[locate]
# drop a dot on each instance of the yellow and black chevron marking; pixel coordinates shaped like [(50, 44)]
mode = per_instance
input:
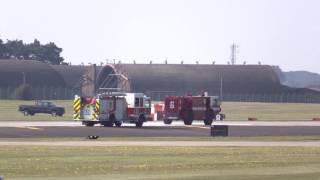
[(76, 108), (96, 110)]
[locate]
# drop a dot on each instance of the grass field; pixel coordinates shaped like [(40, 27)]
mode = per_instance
[(190, 163), (9, 111), (233, 110), (271, 111)]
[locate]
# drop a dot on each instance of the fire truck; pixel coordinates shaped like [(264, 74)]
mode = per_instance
[(114, 108), (189, 108)]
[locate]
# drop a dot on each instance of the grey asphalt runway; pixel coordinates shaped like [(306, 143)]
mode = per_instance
[(155, 129)]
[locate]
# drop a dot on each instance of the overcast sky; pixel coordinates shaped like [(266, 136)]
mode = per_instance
[(275, 32)]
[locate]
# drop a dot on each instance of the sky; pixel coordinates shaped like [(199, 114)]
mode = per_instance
[(285, 33)]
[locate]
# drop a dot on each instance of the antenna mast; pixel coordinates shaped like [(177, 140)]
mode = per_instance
[(234, 54)]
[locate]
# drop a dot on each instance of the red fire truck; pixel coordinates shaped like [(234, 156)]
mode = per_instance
[(189, 108), (113, 109)]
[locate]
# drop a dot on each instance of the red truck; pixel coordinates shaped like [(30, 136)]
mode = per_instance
[(189, 108), (113, 108)]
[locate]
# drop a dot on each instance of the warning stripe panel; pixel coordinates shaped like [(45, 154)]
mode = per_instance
[(76, 116), (76, 108), (76, 105)]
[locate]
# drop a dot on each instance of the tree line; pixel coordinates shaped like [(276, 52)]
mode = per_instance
[(17, 49)]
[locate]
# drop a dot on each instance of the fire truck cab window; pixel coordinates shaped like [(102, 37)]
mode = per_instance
[(136, 102)]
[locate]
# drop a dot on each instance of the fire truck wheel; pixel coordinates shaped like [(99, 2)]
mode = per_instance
[(139, 124), (188, 118), (167, 121), (208, 122), (108, 124), (89, 124), (118, 123), (141, 119), (208, 118)]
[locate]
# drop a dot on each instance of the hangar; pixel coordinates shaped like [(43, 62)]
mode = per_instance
[(156, 80)]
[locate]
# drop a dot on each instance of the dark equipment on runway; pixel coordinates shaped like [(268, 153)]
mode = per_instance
[(220, 130), (90, 137)]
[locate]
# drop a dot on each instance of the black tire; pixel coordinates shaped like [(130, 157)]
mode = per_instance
[(188, 118), (54, 114), (118, 123), (167, 121), (208, 122), (89, 124), (139, 124), (110, 122), (140, 121), (26, 113), (208, 118)]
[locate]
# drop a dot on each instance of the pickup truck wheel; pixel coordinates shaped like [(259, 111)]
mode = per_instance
[(26, 113), (54, 114)]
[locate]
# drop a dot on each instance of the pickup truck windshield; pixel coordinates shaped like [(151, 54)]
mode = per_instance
[(45, 104)]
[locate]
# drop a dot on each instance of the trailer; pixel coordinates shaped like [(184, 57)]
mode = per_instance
[(109, 109), (189, 108)]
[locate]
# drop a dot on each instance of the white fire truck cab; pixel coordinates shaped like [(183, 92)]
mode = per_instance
[(114, 108)]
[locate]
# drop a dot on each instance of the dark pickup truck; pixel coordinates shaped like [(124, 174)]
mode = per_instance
[(42, 107)]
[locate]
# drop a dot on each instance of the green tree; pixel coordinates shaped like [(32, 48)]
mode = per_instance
[(16, 49), (2, 50)]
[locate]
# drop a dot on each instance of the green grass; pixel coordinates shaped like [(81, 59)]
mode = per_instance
[(233, 111), (191, 163), (270, 111), (9, 111)]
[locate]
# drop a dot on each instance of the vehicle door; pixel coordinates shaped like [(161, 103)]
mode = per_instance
[(44, 108), (106, 107), (38, 107)]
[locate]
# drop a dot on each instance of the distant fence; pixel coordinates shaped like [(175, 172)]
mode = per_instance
[(54, 93), (49, 93), (278, 98)]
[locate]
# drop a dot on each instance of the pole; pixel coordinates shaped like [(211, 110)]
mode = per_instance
[(24, 78), (221, 87)]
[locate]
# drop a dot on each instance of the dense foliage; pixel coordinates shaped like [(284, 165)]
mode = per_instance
[(17, 49)]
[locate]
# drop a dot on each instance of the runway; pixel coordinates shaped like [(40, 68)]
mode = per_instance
[(43, 129)]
